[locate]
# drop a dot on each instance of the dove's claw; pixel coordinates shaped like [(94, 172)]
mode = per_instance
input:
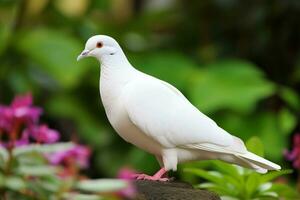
[(156, 177), (152, 178)]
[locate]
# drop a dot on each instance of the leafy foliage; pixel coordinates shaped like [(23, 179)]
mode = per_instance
[(33, 164), (232, 182), (30, 175), (53, 54), (220, 83)]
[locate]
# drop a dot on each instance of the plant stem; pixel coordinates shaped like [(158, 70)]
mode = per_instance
[(11, 145)]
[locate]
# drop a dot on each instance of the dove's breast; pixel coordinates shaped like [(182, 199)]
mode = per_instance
[(118, 118), (129, 132)]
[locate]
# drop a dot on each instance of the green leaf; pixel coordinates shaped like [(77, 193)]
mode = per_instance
[(53, 183), (206, 185), (212, 176), (228, 198), (233, 184), (37, 170), (102, 185), (225, 168), (15, 183), (270, 128), (76, 196), (55, 53), (285, 191), (221, 190), (31, 159), (3, 155), (269, 133), (290, 97), (264, 125), (230, 172), (172, 67), (232, 84), (45, 148), (264, 186), (269, 194), (273, 175), (252, 184), (287, 121), (255, 145)]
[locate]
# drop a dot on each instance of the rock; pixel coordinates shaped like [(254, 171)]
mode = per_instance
[(154, 190)]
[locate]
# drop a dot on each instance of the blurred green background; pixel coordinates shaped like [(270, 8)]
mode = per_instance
[(237, 61)]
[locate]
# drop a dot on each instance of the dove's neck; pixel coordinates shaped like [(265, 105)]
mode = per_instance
[(116, 72), (116, 68)]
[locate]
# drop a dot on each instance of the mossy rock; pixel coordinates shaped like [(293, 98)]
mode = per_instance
[(155, 190)]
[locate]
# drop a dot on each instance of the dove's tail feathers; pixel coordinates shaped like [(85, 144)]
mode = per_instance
[(239, 160), (245, 163), (243, 158), (258, 163)]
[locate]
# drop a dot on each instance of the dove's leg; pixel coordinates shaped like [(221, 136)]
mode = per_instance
[(170, 159), (158, 176), (159, 160)]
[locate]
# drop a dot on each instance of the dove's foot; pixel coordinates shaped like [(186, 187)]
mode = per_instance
[(151, 178), (158, 176)]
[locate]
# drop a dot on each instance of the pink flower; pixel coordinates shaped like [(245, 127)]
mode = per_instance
[(23, 109), (127, 174), (129, 192), (23, 140), (5, 118), (79, 154), (19, 112), (294, 155), (43, 134)]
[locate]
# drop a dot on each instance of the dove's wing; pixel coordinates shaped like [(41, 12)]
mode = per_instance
[(164, 114)]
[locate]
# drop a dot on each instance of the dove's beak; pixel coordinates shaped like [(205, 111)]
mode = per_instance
[(83, 54)]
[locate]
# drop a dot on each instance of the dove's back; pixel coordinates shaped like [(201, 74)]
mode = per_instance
[(164, 114)]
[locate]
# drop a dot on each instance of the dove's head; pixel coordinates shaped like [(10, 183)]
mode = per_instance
[(100, 47)]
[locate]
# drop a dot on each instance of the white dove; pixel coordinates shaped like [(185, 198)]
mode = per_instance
[(157, 117)]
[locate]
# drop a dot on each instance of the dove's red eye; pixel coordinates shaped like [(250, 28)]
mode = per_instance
[(99, 44)]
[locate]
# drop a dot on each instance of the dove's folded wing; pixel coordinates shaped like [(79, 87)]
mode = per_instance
[(164, 114)]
